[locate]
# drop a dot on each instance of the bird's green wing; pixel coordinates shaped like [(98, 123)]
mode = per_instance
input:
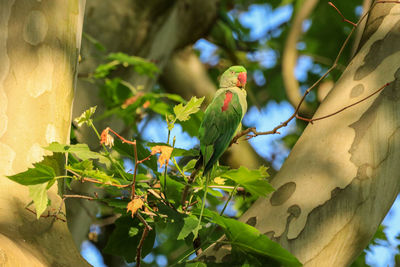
[(221, 120)]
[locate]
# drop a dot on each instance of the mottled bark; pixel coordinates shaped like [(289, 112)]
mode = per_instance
[(39, 47), (343, 174)]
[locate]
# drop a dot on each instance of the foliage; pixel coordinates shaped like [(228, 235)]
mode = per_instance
[(155, 197)]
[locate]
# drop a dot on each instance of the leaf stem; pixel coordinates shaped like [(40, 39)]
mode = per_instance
[(227, 202), (203, 205)]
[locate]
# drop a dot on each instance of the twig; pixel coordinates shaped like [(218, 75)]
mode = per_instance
[(228, 200), (92, 180), (78, 196), (340, 13), (134, 170), (146, 230), (48, 215), (342, 109), (133, 143)]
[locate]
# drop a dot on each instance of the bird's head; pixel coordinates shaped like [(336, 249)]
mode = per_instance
[(234, 76)]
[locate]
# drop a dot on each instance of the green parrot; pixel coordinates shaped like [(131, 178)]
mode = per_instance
[(220, 123), (222, 118)]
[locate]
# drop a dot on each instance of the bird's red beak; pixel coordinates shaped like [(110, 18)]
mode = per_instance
[(241, 82)]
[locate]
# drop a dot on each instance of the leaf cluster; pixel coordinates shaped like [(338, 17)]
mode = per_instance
[(154, 204)]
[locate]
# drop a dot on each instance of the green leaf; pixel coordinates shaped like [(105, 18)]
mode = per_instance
[(133, 231), (85, 117), (189, 226), (38, 175), (190, 165), (252, 180), (249, 239), (38, 193), (192, 125), (183, 112), (174, 188), (103, 70), (99, 175), (116, 203), (83, 165), (82, 151), (178, 152), (122, 244), (140, 65)]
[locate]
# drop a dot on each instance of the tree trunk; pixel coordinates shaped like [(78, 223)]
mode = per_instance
[(342, 176), (39, 47)]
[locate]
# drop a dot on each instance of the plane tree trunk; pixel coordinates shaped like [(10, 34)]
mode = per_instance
[(39, 48)]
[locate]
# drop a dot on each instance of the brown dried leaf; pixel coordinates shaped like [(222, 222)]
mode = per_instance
[(134, 205), (165, 153), (146, 104), (106, 138)]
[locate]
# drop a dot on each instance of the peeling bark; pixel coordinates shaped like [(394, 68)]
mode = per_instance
[(39, 47), (342, 176)]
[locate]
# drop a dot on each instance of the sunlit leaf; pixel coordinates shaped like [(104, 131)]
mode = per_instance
[(39, 174), (134, 205), (85, 117), (183, 112), (189, 226), (219, 180), (140, 65), (252, 180), (38, 193), (82, 151), (165, 154), (249, 239), (133, 231)]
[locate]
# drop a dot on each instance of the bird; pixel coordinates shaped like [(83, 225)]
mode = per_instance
[(222, 119), (223, 116)]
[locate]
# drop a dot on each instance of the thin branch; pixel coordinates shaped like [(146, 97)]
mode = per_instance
[(48, 215), (146, 230), (340, 13), (135, 170), (92, 180), (342, 109)]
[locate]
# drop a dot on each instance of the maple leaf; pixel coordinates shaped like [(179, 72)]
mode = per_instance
[(134, 205), (165, 153)]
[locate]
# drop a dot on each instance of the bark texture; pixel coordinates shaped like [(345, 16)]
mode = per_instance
[(343, 174), (39, 47)]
